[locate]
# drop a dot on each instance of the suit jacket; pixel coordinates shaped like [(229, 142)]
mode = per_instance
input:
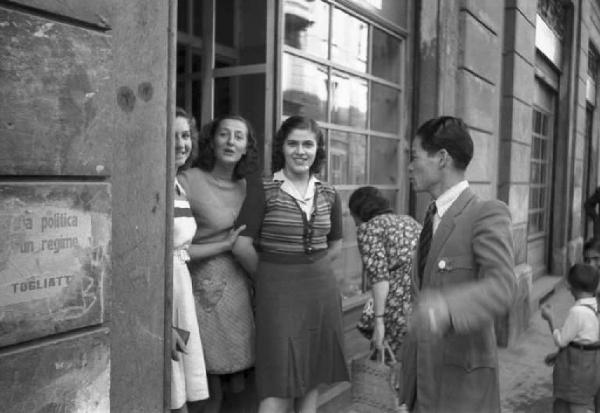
[(471, 263)]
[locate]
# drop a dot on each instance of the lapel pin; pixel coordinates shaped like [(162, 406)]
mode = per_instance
[(442, 265)]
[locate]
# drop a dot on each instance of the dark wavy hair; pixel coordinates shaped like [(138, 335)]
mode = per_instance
[(368, 202), (290, 124), (206, 158), (451, 134), (181, 113)]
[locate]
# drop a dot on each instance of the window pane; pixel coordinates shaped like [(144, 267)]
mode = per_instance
[(197, 18), (384, 108), (180, 94), (348, 100), (241, 95), (349, 41), (393, 10), (182, 15), (252, 45), (386, 56), (304, 88), (543, 149), (307, 26), (347, 158), (224, 24), (534, 178), (196, 62), (349, 272), (384, 161), (533, 198), (545, 125), (181, 54), (197, 98)]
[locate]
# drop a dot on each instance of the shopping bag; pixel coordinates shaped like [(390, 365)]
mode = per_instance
[(372, 390)]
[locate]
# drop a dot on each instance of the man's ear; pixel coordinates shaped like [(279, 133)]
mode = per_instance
[(445, 158)]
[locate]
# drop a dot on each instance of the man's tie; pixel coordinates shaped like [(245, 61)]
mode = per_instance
[(425, 239)]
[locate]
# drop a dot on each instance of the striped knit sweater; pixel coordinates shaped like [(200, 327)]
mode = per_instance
[(285, 228)]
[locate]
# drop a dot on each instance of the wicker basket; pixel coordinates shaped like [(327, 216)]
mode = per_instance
[(372, 391)]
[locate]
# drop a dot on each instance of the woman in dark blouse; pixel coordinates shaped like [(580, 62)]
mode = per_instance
[(387, 243), (297, 228)]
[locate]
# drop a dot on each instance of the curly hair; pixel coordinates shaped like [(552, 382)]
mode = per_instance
[(290, 124), (181, 113), (368, 202), (206, 158)]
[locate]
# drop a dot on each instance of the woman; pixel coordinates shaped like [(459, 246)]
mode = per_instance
[(299, 338), (220, 261), (386, 242), (188, 372)]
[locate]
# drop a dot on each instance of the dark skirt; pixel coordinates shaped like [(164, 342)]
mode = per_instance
[(299, 336)]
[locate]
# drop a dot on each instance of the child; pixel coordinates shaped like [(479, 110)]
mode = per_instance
[(576, 376)]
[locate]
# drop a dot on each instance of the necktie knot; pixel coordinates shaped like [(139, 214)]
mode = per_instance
[(432, 209)]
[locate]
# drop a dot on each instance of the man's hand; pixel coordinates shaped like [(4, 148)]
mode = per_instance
[(431, 317)]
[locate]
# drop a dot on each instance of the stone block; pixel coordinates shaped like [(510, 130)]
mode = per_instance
[(510, 326), (489, 12), (520, 117), (482, 167), (519, 35), (95, 13), (517, 78), (55, 81), (518, 202), (67, 375), (527, 8), (480, 49), (54, 257), (515, 157), (476, 105)]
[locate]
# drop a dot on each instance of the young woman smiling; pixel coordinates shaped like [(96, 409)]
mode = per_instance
[(298, 229)]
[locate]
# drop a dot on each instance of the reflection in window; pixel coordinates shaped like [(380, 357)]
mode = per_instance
[(384, 161), (386, 56), (307, 26), (385, 104), (347, 158), (349, 41), (304, 88), (348, 100)]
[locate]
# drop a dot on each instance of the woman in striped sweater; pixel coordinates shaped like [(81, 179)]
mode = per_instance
[(188, 372), (297, 226)]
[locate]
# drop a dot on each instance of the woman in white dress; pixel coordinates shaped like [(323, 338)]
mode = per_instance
[(188, 371)]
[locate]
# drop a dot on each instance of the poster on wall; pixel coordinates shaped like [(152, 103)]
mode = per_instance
[(54, 257)]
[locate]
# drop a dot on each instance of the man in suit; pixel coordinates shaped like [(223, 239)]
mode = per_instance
[(464, 278)]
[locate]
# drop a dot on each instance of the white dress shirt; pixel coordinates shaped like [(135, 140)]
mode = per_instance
[(445, 201), (305, 201), (581, 325)]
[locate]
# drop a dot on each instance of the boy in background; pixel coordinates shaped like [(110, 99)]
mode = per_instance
[(576, 376)]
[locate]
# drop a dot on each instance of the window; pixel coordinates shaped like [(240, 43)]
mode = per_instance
[(236, 79), (539, 188), (346, 72)]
